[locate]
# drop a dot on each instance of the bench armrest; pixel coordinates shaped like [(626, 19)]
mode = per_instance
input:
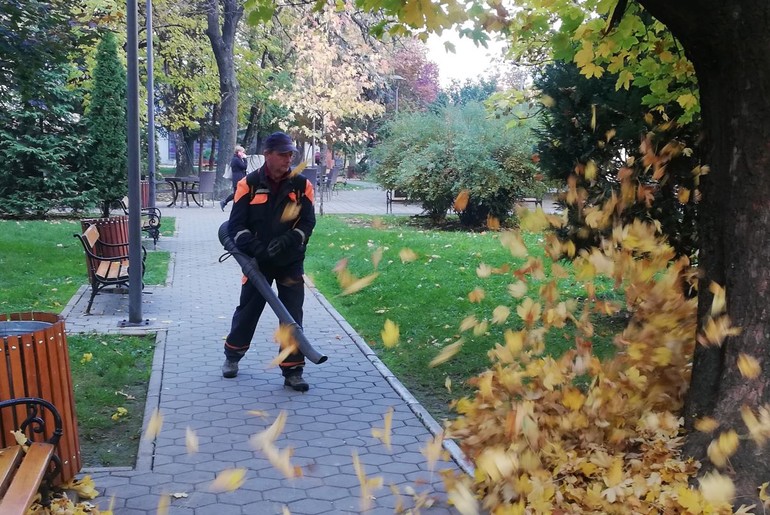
[(34, 421)]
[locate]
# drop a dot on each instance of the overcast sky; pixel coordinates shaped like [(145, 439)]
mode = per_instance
[(468, 61)]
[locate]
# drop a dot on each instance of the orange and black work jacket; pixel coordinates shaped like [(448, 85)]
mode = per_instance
[(256, 218)]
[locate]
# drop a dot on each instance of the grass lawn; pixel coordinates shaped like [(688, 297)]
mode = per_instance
[(428, 297), (43, 266)]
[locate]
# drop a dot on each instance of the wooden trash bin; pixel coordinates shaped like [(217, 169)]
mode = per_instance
[(35, 363)]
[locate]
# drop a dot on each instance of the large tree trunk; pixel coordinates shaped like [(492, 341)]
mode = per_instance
[(222, 44), (728, 42)]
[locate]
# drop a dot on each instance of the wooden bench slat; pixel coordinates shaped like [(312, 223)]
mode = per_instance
[(27, 480), (9, 461)]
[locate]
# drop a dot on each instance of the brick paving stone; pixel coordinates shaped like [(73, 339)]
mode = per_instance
[(348, 395)]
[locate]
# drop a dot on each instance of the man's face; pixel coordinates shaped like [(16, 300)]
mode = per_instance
[(278, 163)]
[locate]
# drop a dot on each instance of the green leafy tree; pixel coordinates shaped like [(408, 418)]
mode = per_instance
[(590, 123), (433, 157), (40, 138), (107, 126)]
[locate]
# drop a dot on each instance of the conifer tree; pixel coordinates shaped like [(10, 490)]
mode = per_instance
[(107, 126)]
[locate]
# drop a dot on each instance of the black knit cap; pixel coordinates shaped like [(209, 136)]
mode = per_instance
[(279, 142)]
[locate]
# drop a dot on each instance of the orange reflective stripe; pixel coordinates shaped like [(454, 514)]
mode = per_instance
[(259, 198), (292, 363), (292, 196), (310, 192), (245, 347), (240, 190)]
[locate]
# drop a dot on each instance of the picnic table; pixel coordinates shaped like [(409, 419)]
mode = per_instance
[(186, 186)]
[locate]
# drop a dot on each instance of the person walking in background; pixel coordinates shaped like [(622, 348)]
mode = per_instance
[(238, 168), (272, 219)]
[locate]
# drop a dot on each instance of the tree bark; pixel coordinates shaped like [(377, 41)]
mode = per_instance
[(728, 43), (222, 44)]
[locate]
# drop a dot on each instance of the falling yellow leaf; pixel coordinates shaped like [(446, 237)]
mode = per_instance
[(533, 221), (257, 413), (513, 241), (493, 223), (360, 284), (269, 435), (529, 311), (298, 169), (377, 257), (721, 448), (228, 480), (749, 366), (763, 496), (461, 201), (573, 398), (461, 496), (448, 384), (717, 488), (468, 322), (446, 353), (718, 304), (500, 314), (593, 117), (590, 171), (477, 295), (84, 487), (517, 290), (483, 271), (163, 504), (759, 431), (407, 255), (154, 426), (191, 441), (706, 424), (716, 330), (434, 450), (390, 334), (281, 460), (547, 101), (367, 484), (290, 212), (385, 433)]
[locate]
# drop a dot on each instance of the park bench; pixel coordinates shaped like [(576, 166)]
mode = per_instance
[(533, 200), (394, 196), (150, 217), (31, 467), (107, 262)]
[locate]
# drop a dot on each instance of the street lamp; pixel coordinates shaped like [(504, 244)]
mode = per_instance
[(396, 79)]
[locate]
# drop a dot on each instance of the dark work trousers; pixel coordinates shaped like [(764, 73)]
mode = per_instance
[(291, 291)]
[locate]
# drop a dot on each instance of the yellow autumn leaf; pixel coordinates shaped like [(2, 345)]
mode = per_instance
[(367, 484), (513, 241), (716, 330), (518, 289), (683, 195), (721, 448), (446, 353), (717, 488), (154, 426), (687, 100), (269, 435), (533, 221), (290, 212), (749, 366), (191, 441), (433, 450), (360, 284), (385, 433), (529, 311), (448, 384), (500, 314), (706, 424), (84, 487), (390, 334), (493, 223), (468, 322), (590, 171), (689, 499), (573, 398), (593, 119), (228, 480), (163, 504), (763, 496), (718, 303), (477, 295), (257, 413), (547, 101), (407, 255), (377, 257), (461, 201), (759, 431), (281, 461), (483, 271), (87, 357), (298, 169), (462, 498)]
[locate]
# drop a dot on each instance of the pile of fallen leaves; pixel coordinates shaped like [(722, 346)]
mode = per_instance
[(61, 504), (573, 434)]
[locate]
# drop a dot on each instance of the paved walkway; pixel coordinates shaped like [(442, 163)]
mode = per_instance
[(349, 394)]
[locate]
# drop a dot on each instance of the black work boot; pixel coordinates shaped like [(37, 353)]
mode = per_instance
[(230, 369), (296, 382)]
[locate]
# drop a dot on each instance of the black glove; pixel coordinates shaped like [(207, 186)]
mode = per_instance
[(258, 250), (283, 242)]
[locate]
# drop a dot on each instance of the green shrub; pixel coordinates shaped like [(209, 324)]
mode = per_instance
[(432, 157)]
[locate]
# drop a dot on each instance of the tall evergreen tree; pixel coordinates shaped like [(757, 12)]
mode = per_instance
[(107, 126)]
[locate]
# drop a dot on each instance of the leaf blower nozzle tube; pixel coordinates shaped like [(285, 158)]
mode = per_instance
[(251, 271)]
